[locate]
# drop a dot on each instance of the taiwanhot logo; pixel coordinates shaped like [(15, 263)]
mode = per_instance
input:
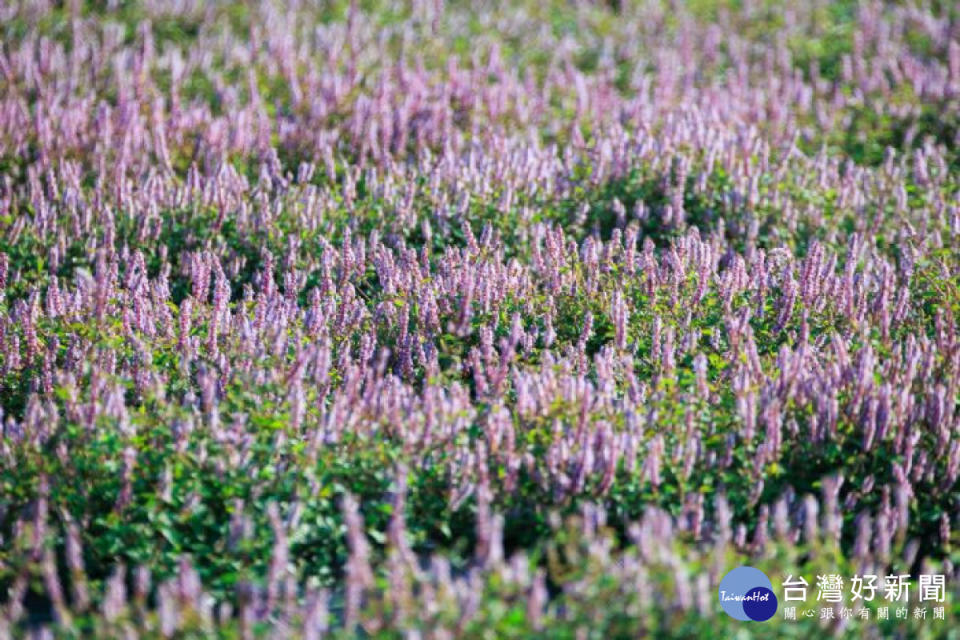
[(747, 594)]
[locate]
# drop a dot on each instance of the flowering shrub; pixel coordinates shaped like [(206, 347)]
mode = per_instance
[(399, 319)]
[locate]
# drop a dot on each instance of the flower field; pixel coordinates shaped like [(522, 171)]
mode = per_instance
[(425, 319)]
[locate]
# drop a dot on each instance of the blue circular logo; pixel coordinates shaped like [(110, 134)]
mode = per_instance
[(747, 594)]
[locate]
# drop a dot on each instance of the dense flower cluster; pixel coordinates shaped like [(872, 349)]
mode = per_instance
[(440, 320)]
